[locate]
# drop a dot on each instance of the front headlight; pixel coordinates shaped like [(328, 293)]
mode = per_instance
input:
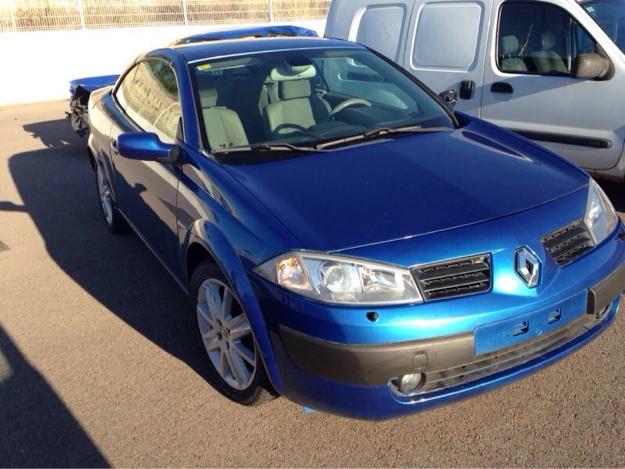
[(338, 279), (600, 218)]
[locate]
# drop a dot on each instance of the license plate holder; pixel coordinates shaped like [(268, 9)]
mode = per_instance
[(523, 328)]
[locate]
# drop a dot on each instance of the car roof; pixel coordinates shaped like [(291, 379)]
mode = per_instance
[(224, 48)]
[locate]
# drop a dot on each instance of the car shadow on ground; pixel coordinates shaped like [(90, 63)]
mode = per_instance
[(53, 134), (58, 190), (36, 428)]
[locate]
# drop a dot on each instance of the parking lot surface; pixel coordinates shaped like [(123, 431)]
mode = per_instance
[(99, 364)]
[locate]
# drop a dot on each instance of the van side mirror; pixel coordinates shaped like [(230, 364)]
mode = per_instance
[(145, 146), (450, 98), (590, 66)]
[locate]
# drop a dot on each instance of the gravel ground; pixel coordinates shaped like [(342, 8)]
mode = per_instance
[(98, 365)]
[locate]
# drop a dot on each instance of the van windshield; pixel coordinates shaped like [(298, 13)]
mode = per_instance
[(307, 97), (610, 15)]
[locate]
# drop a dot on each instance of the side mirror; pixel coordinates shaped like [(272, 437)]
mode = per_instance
[(450, 98), (145, 146), (590, 66)]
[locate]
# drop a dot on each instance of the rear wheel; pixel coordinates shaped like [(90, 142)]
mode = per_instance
[(113, 219), (235, 367)]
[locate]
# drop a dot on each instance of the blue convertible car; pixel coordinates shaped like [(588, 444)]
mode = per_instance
[(346, 240)]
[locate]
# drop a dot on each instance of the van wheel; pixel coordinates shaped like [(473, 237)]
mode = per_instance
[(113, 219), (235, 367)]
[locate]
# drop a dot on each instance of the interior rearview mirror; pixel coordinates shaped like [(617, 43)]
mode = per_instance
[(145, 146), (590, 66)]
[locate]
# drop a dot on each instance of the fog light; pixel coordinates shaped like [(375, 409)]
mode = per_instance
[(410, 382)]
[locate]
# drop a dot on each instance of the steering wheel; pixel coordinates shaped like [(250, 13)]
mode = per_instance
[(297, 128), (348, 103)]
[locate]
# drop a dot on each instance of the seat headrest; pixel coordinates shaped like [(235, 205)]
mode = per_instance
[(293, 72), (548, 40), (208, 97), (509, 44), (295, 89)]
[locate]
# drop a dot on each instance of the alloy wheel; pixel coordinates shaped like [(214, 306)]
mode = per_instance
[(104, 191), (226, 334)]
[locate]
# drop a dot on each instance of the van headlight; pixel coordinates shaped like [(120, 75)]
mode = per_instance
[(601, 218), (338, 279)]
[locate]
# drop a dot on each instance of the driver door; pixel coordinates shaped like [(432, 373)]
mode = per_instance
[(146, 191)]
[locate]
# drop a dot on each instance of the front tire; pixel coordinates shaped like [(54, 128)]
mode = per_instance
[(113, 219), (234, 365)]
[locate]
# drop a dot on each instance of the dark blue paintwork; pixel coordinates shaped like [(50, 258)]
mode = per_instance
[(406, 201), (90, 84), (144, 146)]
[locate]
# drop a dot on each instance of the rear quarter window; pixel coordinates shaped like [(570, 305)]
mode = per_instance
[(447, 35), (380, 28)]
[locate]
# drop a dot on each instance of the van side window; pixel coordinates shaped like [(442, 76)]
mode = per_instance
[(149, 96), (380, 28), (447, 35), (540, 39)]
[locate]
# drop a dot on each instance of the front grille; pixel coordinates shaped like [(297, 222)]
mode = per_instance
[(457, 277), (501, 360), (568, 243)]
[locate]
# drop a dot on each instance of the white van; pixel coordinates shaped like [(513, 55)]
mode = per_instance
[(550, 70)]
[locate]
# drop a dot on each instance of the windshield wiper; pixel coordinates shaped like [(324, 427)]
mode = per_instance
[(267, 147), (380, 132)]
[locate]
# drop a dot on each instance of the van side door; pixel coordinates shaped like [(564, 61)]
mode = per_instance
[(446, 47), (529, 88)]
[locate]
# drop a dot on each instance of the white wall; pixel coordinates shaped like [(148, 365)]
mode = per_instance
[(37, 66)]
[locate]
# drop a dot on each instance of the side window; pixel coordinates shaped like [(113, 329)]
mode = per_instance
[(447, 35), (125, 89), (380, 27), (540, 39), (149, 95)]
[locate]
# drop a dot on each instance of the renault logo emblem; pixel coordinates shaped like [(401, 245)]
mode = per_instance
[(527, 266)]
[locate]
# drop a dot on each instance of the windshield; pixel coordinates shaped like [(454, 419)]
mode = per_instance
[(610, 15), (306, 97)]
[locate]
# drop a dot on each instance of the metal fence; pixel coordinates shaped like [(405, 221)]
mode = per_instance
[(47, 15)]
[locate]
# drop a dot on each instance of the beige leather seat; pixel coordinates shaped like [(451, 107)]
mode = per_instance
[(223, 125), (224, 128), (297, 106)]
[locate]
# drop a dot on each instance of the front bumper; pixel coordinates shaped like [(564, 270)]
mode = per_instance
[(449, 361), (452, 360), (460, 355)]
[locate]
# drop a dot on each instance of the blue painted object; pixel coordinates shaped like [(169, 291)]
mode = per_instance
[(90, 84), (418, 228), (143, 146)]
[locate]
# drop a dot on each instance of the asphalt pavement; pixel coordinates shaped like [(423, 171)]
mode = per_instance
[(99, 366)]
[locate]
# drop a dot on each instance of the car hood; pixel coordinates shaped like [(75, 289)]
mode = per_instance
[(407, 186)]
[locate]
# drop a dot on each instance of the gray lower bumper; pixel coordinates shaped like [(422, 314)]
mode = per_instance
[(447, 360)]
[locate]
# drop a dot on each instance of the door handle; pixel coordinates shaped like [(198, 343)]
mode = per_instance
[(467, 87), (501, 87)]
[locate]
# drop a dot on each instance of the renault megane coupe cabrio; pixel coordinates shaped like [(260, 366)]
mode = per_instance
[(345, 238)]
